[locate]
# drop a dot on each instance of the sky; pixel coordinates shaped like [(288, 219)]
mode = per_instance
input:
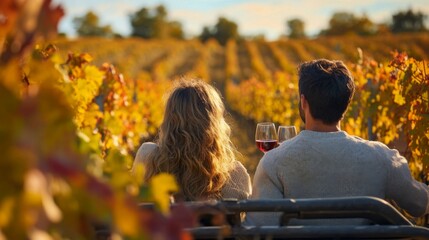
[(254, 17)]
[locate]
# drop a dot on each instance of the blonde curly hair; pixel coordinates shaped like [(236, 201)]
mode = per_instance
[(194, 141)]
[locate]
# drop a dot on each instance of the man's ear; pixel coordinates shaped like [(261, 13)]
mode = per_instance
[(303, 101)]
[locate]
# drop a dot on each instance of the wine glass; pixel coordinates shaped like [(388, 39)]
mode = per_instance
[(286, 132), (266, 136)]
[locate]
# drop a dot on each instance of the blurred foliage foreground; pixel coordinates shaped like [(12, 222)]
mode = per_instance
[(67, 132)]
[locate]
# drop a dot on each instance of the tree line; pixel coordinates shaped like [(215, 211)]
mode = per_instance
[(154, 23)]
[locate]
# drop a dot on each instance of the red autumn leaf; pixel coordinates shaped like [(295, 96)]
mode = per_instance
[(77, 176), (49, 18), (9, 10)]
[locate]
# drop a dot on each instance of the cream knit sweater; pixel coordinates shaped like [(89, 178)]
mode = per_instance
[(335, 164), (237, 187)]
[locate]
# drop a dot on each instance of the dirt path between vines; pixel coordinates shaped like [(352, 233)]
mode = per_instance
[(244, 64), (191, 56), (268, 58), (242, 133)]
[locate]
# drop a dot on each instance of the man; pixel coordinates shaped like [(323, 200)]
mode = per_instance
[(323, 161)]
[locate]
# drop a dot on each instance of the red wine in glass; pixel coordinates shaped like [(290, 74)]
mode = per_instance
[(266, 136), (266, 145)]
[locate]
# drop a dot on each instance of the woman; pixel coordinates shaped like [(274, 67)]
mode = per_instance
[(195, 147)]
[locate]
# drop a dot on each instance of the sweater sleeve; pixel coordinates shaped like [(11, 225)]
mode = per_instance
[(239, 185), (265, 186), (409, 194), (141, 155)]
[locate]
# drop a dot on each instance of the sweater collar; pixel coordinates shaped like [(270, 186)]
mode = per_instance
[(314, 134)]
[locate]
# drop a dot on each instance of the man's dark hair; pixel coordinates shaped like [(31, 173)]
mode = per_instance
[(328, 88)]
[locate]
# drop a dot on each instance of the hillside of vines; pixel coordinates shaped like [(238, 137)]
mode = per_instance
[(258, 80), (75, 111)]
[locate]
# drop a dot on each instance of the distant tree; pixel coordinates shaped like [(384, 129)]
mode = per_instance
[(222, 31), (383, 29), (257, 37), (176, 30), (117, 36), (160, 23), (364, 26), (89, 25), (62, 35), (225, 30), (408, 21), (296, 28), (141, 23), (206, 34), (154, 24), (342, 23)]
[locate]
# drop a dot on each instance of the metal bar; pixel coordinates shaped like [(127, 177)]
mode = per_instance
[(311, 232), (375, 209)]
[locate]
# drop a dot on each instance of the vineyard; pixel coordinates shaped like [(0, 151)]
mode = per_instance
[(94, 101), (75, 112), (259, 83)]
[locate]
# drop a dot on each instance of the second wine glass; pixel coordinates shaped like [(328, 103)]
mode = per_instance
[(266, 136), (286, 132)]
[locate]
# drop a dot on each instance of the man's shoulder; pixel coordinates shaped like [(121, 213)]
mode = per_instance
[(378, 148), (371, 143), (270, 159)]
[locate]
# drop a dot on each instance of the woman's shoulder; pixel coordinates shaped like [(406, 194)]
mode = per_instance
[(148, 146), (239, 185), (237, 166), (144, 150)]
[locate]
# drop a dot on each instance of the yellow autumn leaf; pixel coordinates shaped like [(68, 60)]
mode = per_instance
[(138, 173), (57, 59), (53, 212), (126, 217), (161, 187), (38, 234), (413, 125), (6, 211), (417, 152), (399, 99), (83, 136), (76, 72), (86, 57), (93, 76), (37, 189)]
